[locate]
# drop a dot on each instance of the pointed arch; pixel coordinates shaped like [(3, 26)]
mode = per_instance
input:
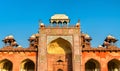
[(27, 65), (6, 65), (54, 22), (60, 53), (92, 65), (67, 38), (65, 22), (113, 65), (59, 22), (59, 46)]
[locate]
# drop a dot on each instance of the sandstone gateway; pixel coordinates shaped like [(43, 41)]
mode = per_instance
[(60, 47)]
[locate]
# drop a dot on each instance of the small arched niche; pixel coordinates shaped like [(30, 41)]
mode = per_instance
[(6, 65), (27, 65), (92, 65), (114, 65)]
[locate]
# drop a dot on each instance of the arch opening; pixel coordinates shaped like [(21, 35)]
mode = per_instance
[(54, 23), (59, 70), (27, 65), (92, 65), (59, 46), (60, 54), (114, 65), (60, 23), (65, 23), (6, 65)]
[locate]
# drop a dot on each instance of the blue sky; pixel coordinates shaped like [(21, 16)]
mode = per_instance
[(99, 18)]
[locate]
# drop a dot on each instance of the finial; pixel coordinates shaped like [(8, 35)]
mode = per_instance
[(78, 20), (41, 24), (78, 23)]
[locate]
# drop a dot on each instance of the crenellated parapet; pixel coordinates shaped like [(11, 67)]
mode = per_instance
[(102, 49), (18, 49)]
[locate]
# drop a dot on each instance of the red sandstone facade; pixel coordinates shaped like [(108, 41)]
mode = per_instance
[(60, 47)]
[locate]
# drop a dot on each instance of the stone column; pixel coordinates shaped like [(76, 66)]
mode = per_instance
[(76, 53), (42, 53)]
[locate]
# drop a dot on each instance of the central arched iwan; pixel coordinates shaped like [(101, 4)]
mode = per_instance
[(59, 53)]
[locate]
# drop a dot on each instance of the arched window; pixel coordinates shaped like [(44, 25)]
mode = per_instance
[(64, 23), (54, 23), (27, 65), (92, 65), (60, 24), (6, 65), (114, 65)]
